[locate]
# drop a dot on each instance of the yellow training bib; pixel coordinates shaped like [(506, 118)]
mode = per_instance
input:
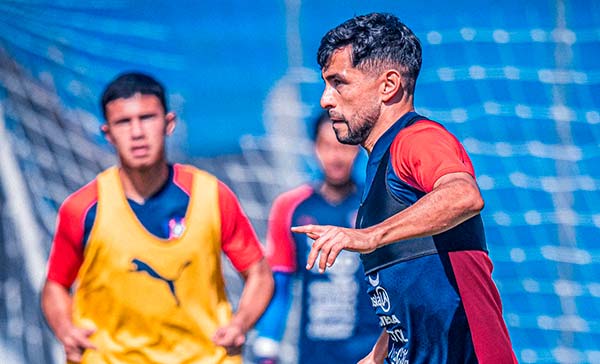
[(153, 300)]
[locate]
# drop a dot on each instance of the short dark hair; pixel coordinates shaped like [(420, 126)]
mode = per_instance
[(321, 119), (130, 83), (378, 40)]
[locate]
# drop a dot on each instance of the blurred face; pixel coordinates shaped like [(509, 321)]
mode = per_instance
[(351, 97), (336, 159), (137, 127)]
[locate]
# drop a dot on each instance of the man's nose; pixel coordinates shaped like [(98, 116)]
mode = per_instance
[(137, 128), (327, 101)]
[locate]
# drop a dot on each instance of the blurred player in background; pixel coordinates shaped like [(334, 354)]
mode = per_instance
[(418, 228), (140, 246), (337, 324)]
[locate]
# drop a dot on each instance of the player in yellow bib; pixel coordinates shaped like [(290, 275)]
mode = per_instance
[(134, 274)]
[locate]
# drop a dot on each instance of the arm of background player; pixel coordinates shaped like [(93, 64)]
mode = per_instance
[(257, 292), (56, 305), (66, 257), (272, 324), (242, 247), (281, 252)]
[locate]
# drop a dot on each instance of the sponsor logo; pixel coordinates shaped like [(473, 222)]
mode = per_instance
[(140, 266), (381, 299), (398, 355), (374, 279), (331, 309), (397, 335), (388, 320)]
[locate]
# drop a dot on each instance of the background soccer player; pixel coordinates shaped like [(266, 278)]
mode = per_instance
[(337, 324), (142, 242)]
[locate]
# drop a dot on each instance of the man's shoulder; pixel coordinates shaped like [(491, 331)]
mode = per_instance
[(80, 201), (423, 124), (422, 129), (184, 174), (289, 200), (296, 194), (190, 170)]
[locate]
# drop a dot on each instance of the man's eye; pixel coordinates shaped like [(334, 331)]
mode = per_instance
[(147, 117), (337, 83)]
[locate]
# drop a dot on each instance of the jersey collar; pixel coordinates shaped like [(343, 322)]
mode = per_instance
[(381, 146)]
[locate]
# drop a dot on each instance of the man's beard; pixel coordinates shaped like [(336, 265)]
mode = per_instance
[(359, 134)]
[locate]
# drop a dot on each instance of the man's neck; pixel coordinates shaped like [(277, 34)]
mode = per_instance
[(336, 193), (388, 117), (139, 185)]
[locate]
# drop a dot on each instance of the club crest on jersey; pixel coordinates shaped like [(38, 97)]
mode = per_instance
[(176, 227), (306, 220)]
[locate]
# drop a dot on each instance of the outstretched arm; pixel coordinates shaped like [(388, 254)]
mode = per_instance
[(57, 308), (454, 199), (257, 292)]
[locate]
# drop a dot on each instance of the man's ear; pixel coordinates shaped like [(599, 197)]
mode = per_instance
[(171, 121), (391, 85), (105, 131)]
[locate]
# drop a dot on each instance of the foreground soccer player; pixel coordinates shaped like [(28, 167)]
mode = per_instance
[(418, 228), (142, 242)]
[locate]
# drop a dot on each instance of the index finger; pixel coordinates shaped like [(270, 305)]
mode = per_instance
[(308, 229), (312, 231)]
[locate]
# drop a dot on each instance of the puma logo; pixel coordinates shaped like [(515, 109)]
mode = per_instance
[(140, 266)]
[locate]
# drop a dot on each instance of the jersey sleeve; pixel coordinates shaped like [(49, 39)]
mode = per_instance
[(281, 248), (426, 151), (239, 240), (66, 254)]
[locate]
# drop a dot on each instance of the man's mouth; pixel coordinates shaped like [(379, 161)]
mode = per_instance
[(336, 118), (139, 151)]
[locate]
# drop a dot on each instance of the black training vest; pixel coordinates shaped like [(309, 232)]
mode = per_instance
[(380, 204)]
